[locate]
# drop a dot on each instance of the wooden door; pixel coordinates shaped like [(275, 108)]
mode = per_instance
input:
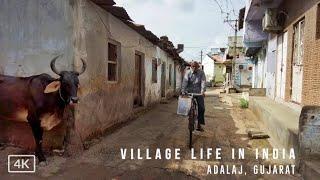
[(297, 65), (163, 80), (284, 65), (137, 81)]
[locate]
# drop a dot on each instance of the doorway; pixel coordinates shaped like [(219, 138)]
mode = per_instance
[(138, 81), (282, 47), (297, 64), (175, 77), (163, 80)]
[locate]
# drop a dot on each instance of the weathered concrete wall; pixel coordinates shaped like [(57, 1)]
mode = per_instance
[(309, 132), (219, 73), (259, 73), (170, 90), (271, 66), (243, 77), (281, 122), (32, 33), (257, 92), (260, 70), (309, 138), (179, 71), (104, 104), (208, 68)]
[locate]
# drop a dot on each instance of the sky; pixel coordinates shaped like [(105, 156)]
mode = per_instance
[(198, 24)]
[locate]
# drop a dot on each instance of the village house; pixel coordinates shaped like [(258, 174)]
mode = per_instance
[(284, 52), (282, 39), (128, 67), (218, 68), (215, 67), (243, 67)]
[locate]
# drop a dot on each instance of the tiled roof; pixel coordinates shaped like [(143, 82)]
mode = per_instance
[(122, 14)]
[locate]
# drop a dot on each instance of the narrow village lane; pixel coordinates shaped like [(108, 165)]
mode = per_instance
[(162, 128)]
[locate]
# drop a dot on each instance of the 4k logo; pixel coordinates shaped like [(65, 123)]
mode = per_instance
[(21, 163)]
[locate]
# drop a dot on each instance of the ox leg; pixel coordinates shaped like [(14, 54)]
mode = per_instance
[(37, 134)]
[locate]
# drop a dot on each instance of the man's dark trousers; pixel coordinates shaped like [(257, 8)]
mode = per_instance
[(201, 109)]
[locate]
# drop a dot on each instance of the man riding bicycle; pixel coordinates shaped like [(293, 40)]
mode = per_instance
[(195, 82)]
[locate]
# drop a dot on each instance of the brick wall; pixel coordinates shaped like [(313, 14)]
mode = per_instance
[(297, 10), (311, 83)]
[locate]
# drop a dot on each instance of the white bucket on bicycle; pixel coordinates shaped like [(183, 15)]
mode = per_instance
[(184, 105)]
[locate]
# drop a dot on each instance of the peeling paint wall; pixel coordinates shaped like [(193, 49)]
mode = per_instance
[(259, 70), (243, 77), (32, 33), (179, 71), (104, 104), (309, 132), (219, 73), (271, 66), (208, 68)]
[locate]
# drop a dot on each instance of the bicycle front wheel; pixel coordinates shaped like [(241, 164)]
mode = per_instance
[(192, 116), (190, 139)]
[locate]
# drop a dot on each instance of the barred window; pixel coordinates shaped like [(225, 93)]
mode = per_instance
[(112, 72)]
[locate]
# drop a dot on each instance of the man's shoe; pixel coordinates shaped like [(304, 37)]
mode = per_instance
[(200, 129)]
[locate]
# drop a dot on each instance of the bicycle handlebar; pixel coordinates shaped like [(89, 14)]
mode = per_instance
[(194, 94)]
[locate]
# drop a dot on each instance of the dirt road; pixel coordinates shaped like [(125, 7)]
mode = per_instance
[(226, 128)]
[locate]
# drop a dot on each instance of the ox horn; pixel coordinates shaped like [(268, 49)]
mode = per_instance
[(84, 66), (53, 66)]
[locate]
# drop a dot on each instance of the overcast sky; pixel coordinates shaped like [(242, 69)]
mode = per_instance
[(198, 24)]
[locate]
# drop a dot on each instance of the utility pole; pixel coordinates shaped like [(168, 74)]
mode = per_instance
[(234, 52), (233, 74), (201, 56), (235, 27)]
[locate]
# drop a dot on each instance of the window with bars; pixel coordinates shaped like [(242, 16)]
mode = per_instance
[(112, 62), (154, 70)]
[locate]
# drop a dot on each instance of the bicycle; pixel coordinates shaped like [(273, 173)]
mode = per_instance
[(193, 115)]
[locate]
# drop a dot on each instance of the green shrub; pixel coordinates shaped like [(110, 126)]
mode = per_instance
[(244, 103)]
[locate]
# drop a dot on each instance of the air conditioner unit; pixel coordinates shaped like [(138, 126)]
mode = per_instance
[(272, 22)]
